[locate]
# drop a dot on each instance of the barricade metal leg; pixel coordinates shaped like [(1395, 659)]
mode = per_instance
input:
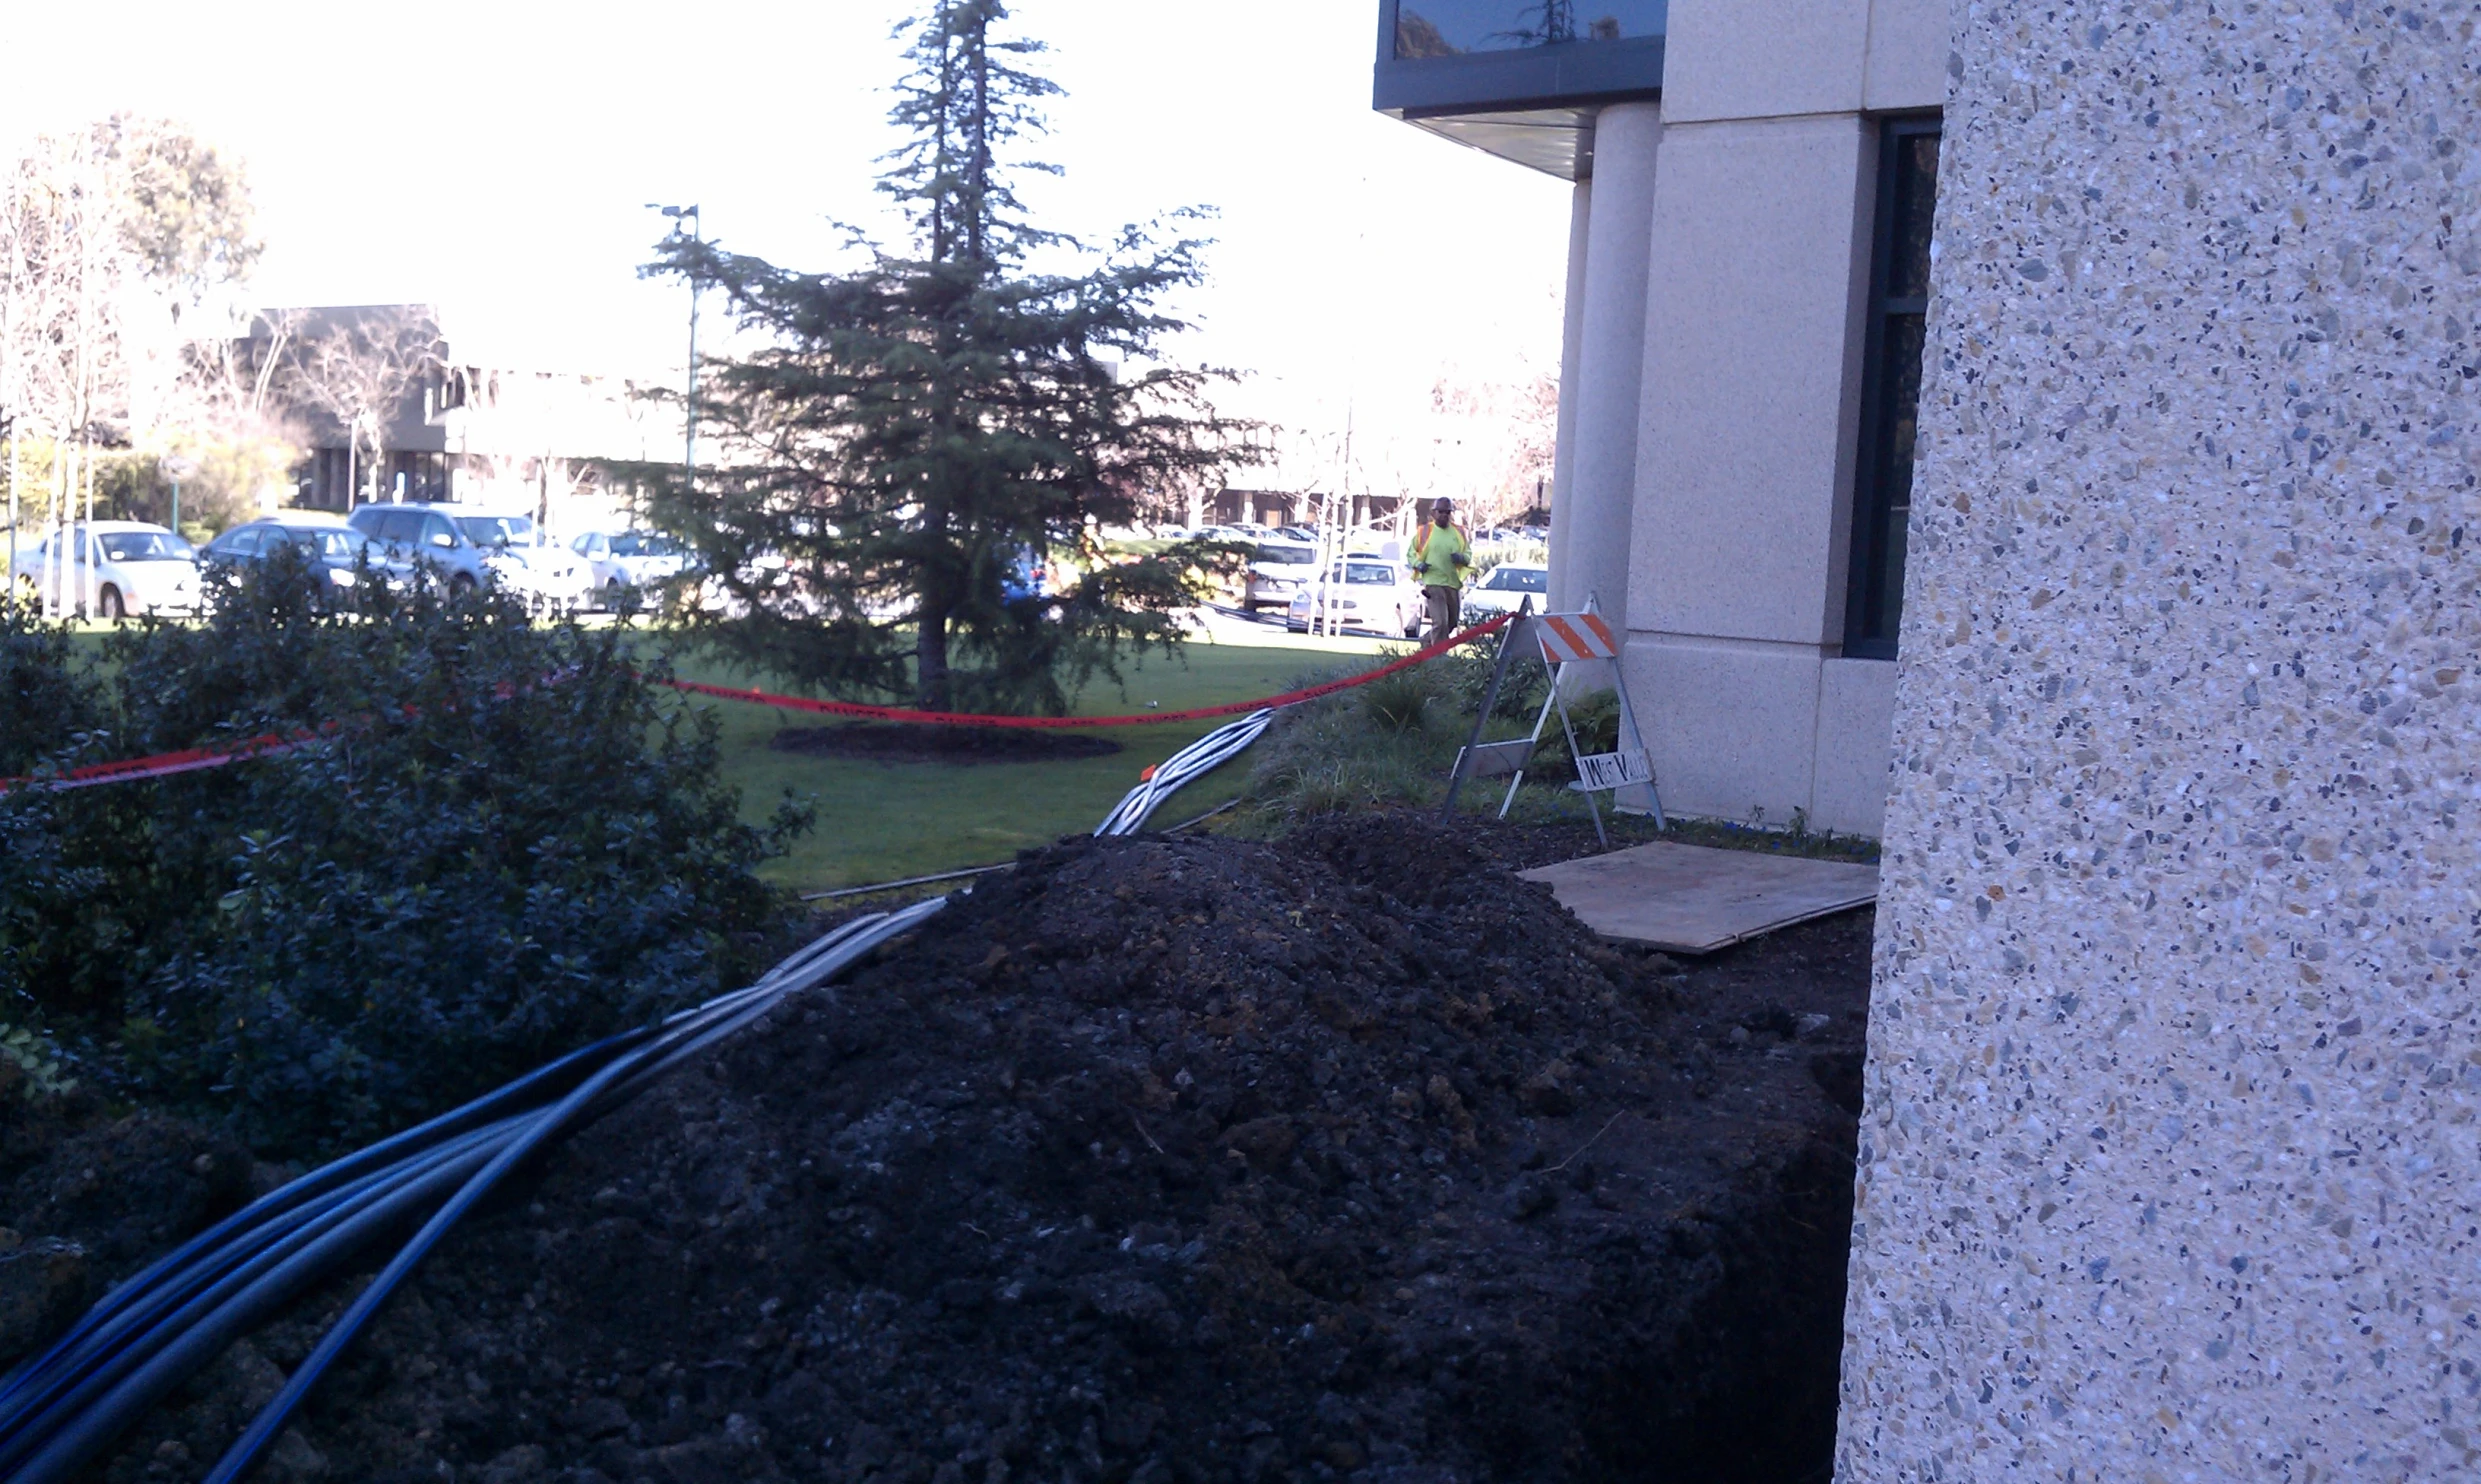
[(1628, 719), (1576, 752), (1541, 719), (1490, 700)]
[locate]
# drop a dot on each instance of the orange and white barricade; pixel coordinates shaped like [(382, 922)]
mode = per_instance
[(1565, 639)]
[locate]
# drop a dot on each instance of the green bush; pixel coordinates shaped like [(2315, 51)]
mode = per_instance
[(1366, 748), (503, 844), (1465, 679), (1596, 717), (1400, 702)]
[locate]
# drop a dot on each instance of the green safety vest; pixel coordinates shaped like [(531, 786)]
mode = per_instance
[(1434, 556)]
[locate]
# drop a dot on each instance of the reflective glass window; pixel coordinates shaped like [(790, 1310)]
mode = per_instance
[(497, 530), (1891, 389), (1453, 28), (145, 546)]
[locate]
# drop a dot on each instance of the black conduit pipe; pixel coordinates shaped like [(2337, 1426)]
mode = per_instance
[(61, 1409)]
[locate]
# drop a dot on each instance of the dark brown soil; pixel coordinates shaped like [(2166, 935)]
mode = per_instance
[(899, 742), (1349, 1157), (86, 1198)]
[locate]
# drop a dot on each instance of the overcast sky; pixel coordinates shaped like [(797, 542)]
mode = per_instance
[(494, 158)]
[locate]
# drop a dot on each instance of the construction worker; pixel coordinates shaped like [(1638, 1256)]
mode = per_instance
[(1439, 556)]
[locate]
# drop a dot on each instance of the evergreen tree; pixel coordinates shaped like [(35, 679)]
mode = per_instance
[(913, 434)]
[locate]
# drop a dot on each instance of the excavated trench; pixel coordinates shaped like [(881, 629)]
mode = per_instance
[(1348, 1157)]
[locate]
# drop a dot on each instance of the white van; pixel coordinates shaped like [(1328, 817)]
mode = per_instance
[(1278, 570)]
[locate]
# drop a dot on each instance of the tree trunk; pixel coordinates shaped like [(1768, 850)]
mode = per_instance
[(930, 660)]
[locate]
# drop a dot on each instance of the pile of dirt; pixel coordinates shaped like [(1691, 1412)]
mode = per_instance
[(1346, 1158), (903, 742), (87, 1198)]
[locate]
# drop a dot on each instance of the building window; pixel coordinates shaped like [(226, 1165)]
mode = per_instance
[(1899, 301), (1454, 28)]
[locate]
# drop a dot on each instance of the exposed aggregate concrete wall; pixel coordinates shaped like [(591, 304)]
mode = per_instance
[(2169, 1166)]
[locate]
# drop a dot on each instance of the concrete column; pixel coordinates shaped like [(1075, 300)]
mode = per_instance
[(1610, 361), (1571, 346), (2168, 1162)]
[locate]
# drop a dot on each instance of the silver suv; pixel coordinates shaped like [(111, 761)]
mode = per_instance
[(472, 549), (426, 533)]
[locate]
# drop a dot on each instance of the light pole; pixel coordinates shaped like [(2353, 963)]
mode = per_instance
[(178, 467), (685, 220)]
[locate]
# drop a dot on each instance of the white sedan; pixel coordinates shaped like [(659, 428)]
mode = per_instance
[(627, 559), (521, 559), (1508, 584), (1361, 593), (137, 568)]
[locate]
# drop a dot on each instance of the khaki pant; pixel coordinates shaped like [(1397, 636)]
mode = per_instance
[(1446, 604)]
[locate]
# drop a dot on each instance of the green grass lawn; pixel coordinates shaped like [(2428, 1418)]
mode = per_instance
[(881, 821)]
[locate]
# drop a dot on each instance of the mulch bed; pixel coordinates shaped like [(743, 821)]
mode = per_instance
[(1346, 1157), (897, 742)]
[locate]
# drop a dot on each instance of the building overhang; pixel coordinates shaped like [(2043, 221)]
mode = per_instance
[(1512, 93)]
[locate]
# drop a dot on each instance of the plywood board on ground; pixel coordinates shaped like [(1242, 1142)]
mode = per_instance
[(1689, 899)]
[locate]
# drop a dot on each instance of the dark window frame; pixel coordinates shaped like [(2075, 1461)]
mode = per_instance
[(1872, 615)]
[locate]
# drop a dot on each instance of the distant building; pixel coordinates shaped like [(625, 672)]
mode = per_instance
[(380, 348), (522, 441), (1749, 240), (1266, 507), (544, 442)]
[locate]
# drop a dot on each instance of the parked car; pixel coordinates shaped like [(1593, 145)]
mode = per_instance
[(622, 560), (137, 568), (1362, 593), (1028, 576), (331, 548), (1277, 571), (471, 549), (1508, 584), (1297, 533)]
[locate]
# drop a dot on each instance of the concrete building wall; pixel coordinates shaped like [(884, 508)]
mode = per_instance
[(2171, 1154), (1762, 231), (1571, 354), (1746, 59), (1909, 56), (1750, 383), (1601, 484)]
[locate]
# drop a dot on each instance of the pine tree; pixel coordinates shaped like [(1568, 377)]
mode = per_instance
[(912, 434)]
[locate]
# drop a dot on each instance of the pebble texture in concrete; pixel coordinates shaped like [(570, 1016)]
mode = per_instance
[(2168, 1163)]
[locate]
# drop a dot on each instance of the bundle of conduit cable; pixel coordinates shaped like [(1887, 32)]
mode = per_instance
[(1186, 766), (61, 1409), (153, 1332)]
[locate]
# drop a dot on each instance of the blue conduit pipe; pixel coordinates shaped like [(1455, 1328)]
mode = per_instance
[(64, 1407)]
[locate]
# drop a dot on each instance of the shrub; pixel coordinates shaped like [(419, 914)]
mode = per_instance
[(1400, 702), (1465, 679), (1361, 749), (505, 844), (44, 701), (1596, 717)]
